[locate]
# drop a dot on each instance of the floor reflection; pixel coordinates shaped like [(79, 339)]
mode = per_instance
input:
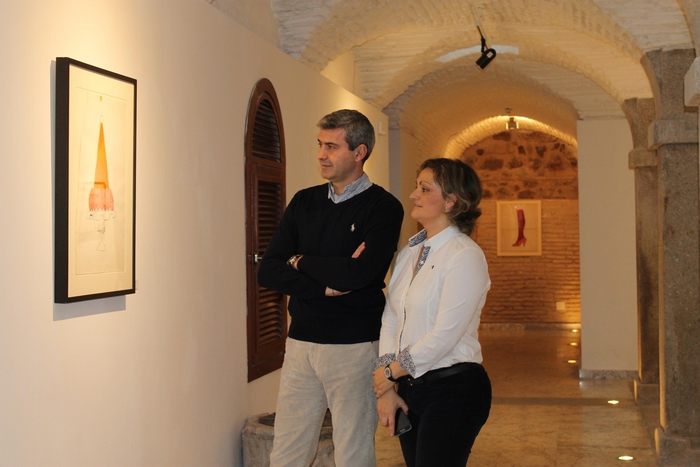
[(542, 414)]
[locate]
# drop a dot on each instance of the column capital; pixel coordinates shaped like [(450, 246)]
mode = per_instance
[(642, 158), (692, 84), (640, 113), (666, 70), (674, 131)]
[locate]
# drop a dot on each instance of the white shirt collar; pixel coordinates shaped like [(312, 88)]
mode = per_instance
[(436, 241)]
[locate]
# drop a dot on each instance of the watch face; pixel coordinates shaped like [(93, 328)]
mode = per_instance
[(387, 372)]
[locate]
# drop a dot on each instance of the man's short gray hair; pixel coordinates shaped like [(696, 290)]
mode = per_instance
[(358, 129)]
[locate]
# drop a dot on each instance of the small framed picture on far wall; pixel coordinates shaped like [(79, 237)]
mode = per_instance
[(519, 228)]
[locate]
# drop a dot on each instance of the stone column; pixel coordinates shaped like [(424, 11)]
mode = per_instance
[(640, 114), (674, 135)]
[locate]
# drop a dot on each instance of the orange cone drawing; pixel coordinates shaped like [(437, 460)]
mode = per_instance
[(101, 198)]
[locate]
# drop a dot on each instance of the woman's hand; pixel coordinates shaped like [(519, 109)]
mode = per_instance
[(381, 383), (387, 405)]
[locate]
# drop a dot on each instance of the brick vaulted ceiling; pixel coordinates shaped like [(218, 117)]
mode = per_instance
[(558, 60)]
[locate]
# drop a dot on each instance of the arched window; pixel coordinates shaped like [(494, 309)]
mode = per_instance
[(265, 202)]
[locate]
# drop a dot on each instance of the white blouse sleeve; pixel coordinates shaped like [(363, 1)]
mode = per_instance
[(390, 317)]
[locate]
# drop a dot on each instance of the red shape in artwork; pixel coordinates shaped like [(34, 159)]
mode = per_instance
[(521, 228)]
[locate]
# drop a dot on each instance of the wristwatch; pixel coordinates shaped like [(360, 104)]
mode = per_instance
[(293, 260), (387, 373)]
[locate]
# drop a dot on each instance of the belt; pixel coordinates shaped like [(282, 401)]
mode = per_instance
[(435, 375)]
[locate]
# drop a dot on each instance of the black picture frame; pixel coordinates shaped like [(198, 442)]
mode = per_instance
[(95, 183)]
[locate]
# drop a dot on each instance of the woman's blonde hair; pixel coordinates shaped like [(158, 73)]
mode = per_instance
[(458, 179)]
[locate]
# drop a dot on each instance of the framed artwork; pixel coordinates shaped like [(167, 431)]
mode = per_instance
[(519, 228), (95, 198)]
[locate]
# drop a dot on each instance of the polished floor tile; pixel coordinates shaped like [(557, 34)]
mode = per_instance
[(542, 414)]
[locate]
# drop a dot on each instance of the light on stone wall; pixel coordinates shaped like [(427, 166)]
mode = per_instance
[(511, 124)]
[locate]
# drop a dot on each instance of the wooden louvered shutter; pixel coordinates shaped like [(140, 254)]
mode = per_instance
[(265, 202)]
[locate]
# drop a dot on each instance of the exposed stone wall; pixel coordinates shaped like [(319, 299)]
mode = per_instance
[(525, 165), (531, 165)]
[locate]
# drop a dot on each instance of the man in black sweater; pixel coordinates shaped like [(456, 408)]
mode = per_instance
[(330, 254)]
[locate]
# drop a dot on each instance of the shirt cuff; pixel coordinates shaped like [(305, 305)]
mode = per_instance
[(406, 362), (384, 360)]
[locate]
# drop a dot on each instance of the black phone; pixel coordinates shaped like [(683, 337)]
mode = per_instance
[(401, 424)]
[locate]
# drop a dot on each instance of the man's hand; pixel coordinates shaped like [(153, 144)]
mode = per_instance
[(359, 251), (335, 293)]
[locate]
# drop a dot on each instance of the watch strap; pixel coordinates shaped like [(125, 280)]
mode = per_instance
[(389, 375)]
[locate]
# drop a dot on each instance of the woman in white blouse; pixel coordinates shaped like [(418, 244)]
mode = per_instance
[(430, 356)]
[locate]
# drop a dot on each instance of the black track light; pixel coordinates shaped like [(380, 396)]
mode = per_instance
[(487, 54)]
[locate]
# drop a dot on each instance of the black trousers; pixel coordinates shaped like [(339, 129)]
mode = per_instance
[(446, 415)]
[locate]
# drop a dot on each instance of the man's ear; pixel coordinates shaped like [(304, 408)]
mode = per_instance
[(360, 152)]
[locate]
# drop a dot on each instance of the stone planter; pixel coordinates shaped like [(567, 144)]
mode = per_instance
[(258, 434)]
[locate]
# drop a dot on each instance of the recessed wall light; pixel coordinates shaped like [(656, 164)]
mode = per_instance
[(613, 402), (571, 361), (573, 343), (511, 124), (574, 330), (626, 458)]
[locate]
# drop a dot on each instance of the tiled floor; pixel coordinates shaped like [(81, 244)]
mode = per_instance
[(542, 414)]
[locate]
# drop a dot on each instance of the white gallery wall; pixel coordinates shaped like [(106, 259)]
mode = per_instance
[(158, 377), (405, 161), (608, 250)]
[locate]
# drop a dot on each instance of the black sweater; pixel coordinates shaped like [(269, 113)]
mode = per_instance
[(327, 234)]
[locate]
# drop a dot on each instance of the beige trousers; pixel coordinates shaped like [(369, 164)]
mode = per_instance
[(316, 376)]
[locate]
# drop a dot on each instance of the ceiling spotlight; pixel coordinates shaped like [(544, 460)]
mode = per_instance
[(487, 54)]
